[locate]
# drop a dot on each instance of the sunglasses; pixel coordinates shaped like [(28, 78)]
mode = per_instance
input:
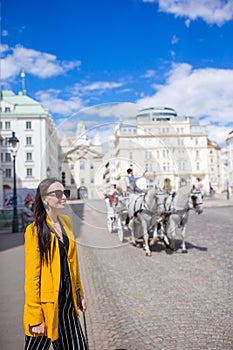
[(59, 193)]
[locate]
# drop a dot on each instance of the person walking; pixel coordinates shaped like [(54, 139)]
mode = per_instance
[(51, 313), (27, 213), (131, 182)]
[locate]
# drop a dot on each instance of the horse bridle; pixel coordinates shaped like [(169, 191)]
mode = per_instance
[(194, 196)]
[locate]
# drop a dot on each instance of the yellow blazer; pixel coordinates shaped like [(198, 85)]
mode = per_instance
[(42, 281)]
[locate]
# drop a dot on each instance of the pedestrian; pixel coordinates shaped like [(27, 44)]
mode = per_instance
[(51, 313), (27, 213), (131, 182)]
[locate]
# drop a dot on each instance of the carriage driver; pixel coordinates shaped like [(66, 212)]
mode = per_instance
[(131, 182)]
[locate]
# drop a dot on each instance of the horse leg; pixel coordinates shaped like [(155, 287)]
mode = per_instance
[(183, 245), (131, 227), (155, 236), (145, 237), (171, 232)]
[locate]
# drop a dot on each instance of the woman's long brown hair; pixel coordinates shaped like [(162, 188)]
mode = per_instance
[(39, 214)]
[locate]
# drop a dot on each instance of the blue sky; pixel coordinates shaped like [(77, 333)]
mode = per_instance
[(78, 54)]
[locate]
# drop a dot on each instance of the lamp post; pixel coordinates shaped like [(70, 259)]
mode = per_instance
[(14, 142), (48, 171)]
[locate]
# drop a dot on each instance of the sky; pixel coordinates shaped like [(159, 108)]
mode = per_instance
[(79, 54)]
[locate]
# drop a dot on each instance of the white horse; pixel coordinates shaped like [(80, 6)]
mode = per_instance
[(143, 211), (177, 209)]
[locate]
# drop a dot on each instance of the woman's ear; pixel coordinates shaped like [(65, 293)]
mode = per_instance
[(45, 205)]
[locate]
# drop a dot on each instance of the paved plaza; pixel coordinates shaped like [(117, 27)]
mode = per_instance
[(167, 301)]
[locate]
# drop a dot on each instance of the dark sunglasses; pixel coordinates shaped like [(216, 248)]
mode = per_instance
[(59, 193)]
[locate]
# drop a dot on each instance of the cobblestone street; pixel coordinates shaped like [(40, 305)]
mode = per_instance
[(167, 301)]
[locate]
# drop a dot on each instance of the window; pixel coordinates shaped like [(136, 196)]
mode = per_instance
[(82, 181), (29, 171), (6, 142), (7, 157), (197, 166), (7, 125), (91, 166), (7, 109), (28, 156), (28, 140), (0, 125), (82, 165), (197, 154), (72, 182), (92, 180), (8, 173), (28, 125), (131, 155), (196, 141)]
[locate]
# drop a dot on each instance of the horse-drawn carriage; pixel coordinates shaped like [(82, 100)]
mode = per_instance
[(155, 211), (116, 214)]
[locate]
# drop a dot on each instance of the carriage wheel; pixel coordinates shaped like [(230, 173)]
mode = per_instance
[(110, 224), (120, 230)]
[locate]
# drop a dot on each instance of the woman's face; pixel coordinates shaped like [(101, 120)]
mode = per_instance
[(55, 198)]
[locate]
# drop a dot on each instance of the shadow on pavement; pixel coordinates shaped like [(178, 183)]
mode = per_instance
[(11, 240)]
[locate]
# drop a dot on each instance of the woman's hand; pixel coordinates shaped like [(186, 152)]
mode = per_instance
[(39, 329), (84, 304)]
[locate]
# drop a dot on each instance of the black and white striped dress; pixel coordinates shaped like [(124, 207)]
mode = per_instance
[(71, 336)]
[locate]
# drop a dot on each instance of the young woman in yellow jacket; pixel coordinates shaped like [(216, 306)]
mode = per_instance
[(51, 313)]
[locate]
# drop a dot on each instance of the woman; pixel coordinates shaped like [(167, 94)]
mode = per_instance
[(51, 313)]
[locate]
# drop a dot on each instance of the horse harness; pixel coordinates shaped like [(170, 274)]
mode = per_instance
[(146, 210)]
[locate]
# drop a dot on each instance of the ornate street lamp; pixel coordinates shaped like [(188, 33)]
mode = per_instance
[(14, 142)]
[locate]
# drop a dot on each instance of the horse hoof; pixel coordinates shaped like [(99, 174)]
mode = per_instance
[(149, 254), (134, 244), (184, 251)]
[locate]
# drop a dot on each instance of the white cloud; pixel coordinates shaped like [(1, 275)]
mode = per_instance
[(205, 93), (50, 99), (211, 11), (175, 40), (120, 110), (149, 74), (40, 64), (218, 133), (4, 32), (98, 86), (102, 85)]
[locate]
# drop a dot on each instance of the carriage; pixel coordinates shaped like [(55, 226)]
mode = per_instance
[(117, 214)]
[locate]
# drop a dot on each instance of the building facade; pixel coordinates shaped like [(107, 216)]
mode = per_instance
[(82, 165), (214, 165), (173, 149), (229, 143), (38, 152)]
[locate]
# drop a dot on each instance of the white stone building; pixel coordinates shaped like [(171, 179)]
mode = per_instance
[(229, 142), (173, 149), (82, 165), (38, 152), (214, 165)]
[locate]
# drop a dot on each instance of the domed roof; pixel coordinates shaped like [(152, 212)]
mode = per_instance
[(158, 113)]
